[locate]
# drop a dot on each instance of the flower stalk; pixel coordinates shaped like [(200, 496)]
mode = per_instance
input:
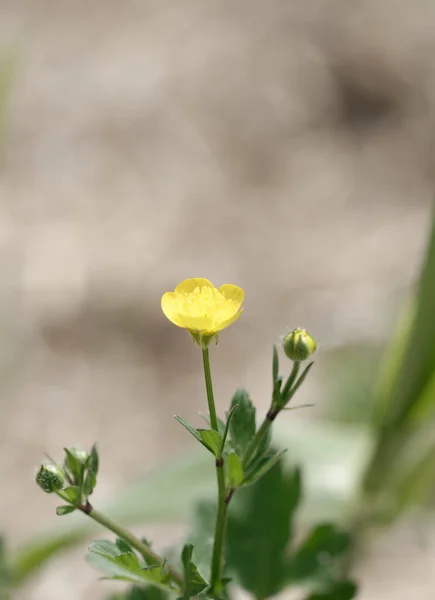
[(222, 511)]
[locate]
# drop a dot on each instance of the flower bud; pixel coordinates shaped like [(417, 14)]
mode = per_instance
[(298, 345), (50, 478)]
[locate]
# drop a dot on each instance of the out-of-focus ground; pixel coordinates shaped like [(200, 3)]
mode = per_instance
[(283, 146)]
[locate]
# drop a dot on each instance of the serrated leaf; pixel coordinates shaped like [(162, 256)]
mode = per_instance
[(193, 581), (128, 560), (242, 426), (104, 548), (259, 530), (111, 570), (123, 546), (153, 573), (73, 494), (212, 440), (262, 466), (167, 492), (315, 557), (343, 590), (123, 567), (235, 470), (164, 572), (65, 510)]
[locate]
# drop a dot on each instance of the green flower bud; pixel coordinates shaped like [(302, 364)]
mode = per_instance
[(298, 345), (50, 478)]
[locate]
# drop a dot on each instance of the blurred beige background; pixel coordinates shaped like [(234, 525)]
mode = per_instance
[(285, 146)]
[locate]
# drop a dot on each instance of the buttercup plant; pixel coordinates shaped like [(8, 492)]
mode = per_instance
[(242, 456)]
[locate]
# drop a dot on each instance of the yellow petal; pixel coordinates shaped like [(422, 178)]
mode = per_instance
[(202, 324), (169, 308), (188, 285), (228, 322), (232, 292)]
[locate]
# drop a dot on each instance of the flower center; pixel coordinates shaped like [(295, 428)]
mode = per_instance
[(206, 302)]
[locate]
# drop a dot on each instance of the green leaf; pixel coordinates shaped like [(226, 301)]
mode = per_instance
[(242, 425), (146, 593), (343, 590), (112, 570), (259, 530), (168, 491), (299, 382), (262, 466), (64, 510), (128, 560), (235, 470), (193, 581), (417, 365), (75, 465), (105, 548), (106, 557), (195, 432), (227, 425), (155, 573), (275, 365), (94, 461), (212, 440), (221, 424), (405, 403), (164, 572), (123, 546), (201, 535), (315, 557), (299, 406), (262, 450), (73, 494), (89, 484)]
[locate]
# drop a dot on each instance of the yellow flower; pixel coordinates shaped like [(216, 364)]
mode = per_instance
[(204, 310)]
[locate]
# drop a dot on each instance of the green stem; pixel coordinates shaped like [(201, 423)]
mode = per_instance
[(290, 381), (150, 556), (273, 412), (219, 535), (222, 511), (209, 388)]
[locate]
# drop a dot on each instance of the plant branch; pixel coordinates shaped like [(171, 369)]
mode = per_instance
[(149, 555)]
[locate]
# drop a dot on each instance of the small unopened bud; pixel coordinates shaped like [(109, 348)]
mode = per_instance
[(298, 345), (50, 478)]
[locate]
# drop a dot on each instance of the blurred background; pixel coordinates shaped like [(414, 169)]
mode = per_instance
[(284, 146)]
